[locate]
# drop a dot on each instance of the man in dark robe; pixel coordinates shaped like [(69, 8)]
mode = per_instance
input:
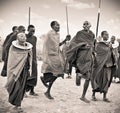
[(115, 45), (118, 69), (68, 68), (33, 79), (7, 45), (80, 55), (101, 77), (14, 30), (5, 51)]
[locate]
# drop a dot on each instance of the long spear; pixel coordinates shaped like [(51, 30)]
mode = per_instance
[(98, 18), (67, 19), (29, 16)]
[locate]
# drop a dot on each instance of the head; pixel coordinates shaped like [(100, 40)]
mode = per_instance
[(15, 29), (86, 25), (105, 35), (55, 26), (113, 39), (21, 37), (21, 29), (31, 30)]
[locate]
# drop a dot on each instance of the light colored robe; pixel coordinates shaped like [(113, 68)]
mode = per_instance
[(16, 61), (52, 57)]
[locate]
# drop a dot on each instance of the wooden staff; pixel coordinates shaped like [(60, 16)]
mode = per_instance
[(29, 16), (98, 18), (67, 19)]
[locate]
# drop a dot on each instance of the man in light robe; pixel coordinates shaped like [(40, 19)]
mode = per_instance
[(53, 63)]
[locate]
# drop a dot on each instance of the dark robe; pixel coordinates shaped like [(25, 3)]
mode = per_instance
[(67, 67), (118, 69), (17, 88), (102, 77), (6, 45), (79, 54), (32, 80)]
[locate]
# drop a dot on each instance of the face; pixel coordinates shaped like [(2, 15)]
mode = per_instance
[(16, 29), (86, 25), (22, 30), (21, 38), (112, 39), (31, 31), (56, 27), (105, 36)]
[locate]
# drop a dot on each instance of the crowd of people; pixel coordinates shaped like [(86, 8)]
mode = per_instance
[(97, 60)]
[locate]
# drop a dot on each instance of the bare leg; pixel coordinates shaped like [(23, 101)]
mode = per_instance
[(93, 96), (47, 93), (32, 92), (18, 109), (105, 98), (78, 79), (69, 76), (86, 84), (43, 81)]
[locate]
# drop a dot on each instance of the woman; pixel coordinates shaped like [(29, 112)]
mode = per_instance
[(18, 66)]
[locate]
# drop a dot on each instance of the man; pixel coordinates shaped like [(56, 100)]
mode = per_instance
[(118, 69), (5, 51), (14, 30), (33, 79), (68, 68), (101, 77), (18, 70), (80, 55), (115, 45), (7, 45), (53, 64)]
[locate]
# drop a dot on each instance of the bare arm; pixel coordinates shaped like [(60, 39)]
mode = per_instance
[(68, 37)]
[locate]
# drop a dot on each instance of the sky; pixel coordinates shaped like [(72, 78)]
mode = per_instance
[(15, 12)]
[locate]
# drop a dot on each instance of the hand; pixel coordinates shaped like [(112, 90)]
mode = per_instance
[(68, 37), (110, 46), (88, 46)]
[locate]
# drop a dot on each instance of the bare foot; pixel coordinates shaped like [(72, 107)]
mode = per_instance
[(45, 84), (118, 81), (25, 95), (106, 100), (84, 99), (94, 98), (69, 77), (18, 109), (48, 95), (33, 94)]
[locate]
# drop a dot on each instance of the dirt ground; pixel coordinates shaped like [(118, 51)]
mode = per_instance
[(66, 98)]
